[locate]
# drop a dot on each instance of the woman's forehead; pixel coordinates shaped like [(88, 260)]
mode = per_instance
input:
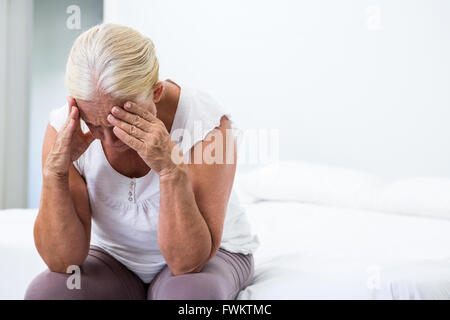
[(95, 112)]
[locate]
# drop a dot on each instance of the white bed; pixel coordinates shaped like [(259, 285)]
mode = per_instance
[(318, 252), (337, 233), (332, 249)]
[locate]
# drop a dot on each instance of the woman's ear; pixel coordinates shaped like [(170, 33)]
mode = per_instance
[(157, 92)]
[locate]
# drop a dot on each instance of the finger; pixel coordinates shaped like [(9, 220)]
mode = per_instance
[(88, 137), (71, 128), (128, 128), (73, 104), (129, 140), (70, 125), (131, 118), (71, 101), (140, 110)]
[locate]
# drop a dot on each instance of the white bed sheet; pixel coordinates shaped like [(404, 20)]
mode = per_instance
[(317, 252), (307, 252)]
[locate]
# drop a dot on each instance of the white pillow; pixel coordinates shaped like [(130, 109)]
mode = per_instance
[(429, 197), (334, 186), (307, 182)]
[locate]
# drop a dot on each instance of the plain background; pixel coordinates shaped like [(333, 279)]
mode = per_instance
[(355, 83), (15, 55), (52, 41)]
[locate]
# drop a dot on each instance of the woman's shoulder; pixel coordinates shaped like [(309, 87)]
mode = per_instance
[(196, 101), (204, 103), (199, 113)]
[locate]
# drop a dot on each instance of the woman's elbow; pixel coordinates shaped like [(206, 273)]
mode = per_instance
[(61, 266), (181, 271)]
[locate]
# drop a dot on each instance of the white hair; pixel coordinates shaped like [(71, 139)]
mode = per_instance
[(113, 60)]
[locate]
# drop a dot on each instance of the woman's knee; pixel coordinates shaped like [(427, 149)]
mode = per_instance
[(192, 286), (99, 277), (51, 286), (222, 278)]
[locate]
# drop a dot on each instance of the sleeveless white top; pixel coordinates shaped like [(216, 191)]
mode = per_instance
[(125, 210)]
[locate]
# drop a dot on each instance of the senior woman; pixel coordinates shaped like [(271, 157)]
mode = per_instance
[(118, 163)]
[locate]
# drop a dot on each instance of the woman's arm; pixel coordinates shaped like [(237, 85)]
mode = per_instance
[(63, 225), (193, 204)]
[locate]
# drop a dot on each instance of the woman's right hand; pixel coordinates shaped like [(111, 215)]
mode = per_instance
[(71, 142)]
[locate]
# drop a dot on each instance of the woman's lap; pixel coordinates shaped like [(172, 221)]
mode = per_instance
[(103, 277)]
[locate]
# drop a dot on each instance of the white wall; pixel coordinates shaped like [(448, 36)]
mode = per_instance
[(15, 45), (363, 84), (52, 41), (3, 89)]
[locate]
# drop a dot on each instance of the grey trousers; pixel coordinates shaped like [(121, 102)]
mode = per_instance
[(103, 277)]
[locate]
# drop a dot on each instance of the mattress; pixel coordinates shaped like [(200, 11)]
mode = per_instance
[(307, 252), (317, 252)]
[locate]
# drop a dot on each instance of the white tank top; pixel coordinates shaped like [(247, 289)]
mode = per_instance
[(125, 210)]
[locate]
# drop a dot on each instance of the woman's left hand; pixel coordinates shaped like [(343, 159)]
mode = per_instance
[(142, 131)]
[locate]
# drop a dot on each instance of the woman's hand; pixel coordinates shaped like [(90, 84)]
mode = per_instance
[(71, 142), (142, 131)]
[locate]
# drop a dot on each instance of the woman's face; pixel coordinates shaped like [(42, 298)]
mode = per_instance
[(94, 114)]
